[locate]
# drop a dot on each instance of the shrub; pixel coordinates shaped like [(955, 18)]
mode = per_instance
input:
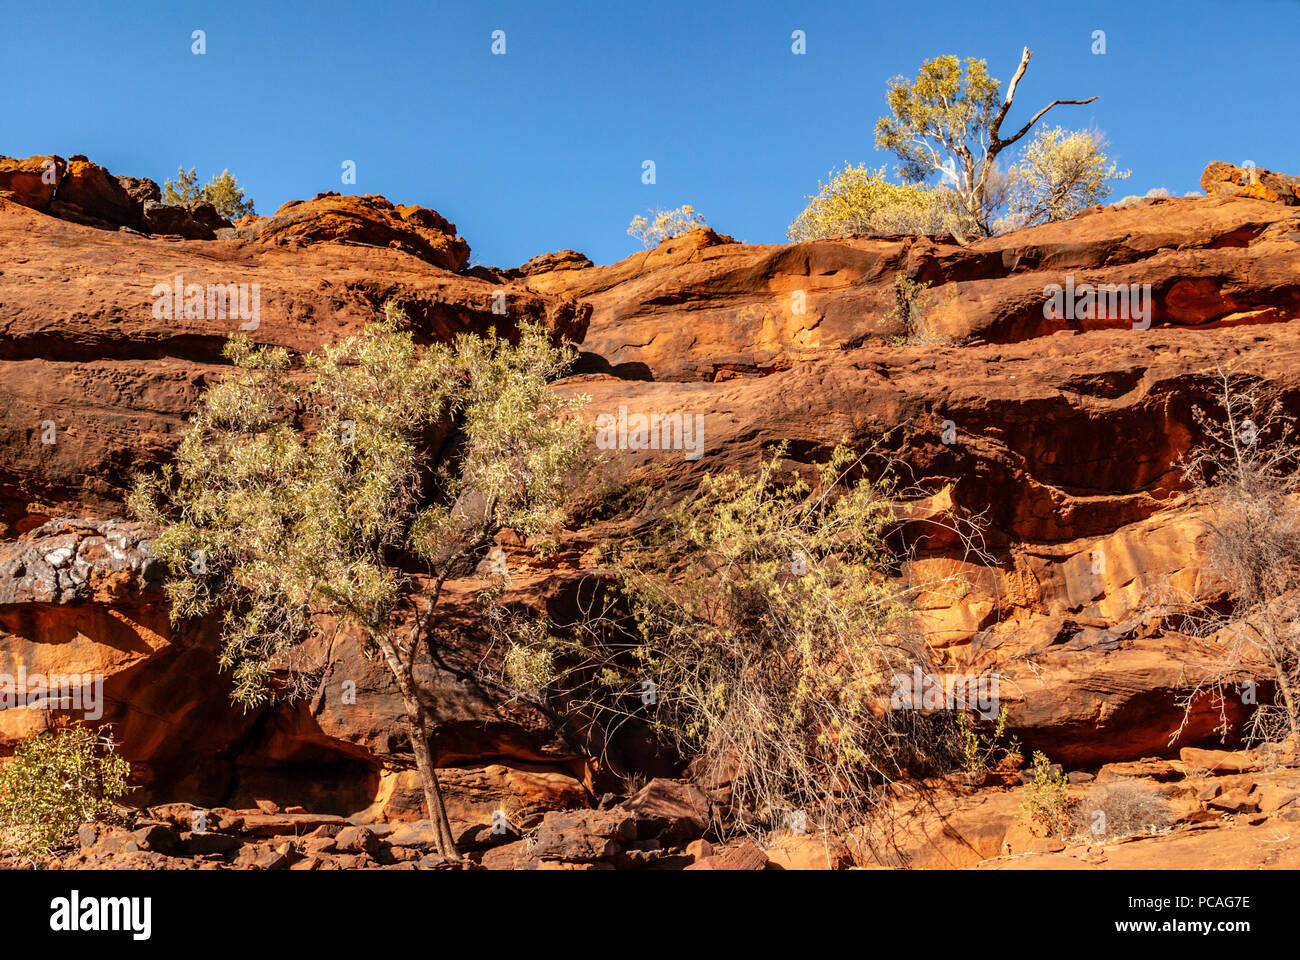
[(1154, 193), (1247, 476), (1058, 174), (910, 302), (666, 224), (55, 782), (761, 631), (857, 201), (184, 189), (980, 751), (1120, 809), (1046, 800)]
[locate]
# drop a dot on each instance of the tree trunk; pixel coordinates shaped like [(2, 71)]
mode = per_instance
[(416, 720), (446, 843)]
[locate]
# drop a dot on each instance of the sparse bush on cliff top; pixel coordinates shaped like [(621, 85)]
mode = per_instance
[(1058, 174), (856, 200), (665, 225), (761, 631), (279, 526), (223, 192), (55, 782)]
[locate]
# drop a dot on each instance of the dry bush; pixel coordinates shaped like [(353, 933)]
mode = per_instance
[(760, 631), (1120, 809), (1247, 475)]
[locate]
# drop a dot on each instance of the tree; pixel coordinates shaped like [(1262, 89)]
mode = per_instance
[(948, 121), (666, 224), (283, 526), (1060, 173), (857, 200), (223, 192), (183, 190)]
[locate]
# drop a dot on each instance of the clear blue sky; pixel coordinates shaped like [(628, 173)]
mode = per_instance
[(541, 149)]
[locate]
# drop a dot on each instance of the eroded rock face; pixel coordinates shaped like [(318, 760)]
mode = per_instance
[(82, 598), (83, 192), (369, 221), (93, 350), (696, 308), (1064, 435)]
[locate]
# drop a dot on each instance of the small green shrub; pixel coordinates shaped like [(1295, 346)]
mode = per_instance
[(55, 782), (910, 303), (1047, 802), (666, 224), (982, 751)]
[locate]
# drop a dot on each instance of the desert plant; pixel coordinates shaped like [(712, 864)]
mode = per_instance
[(981, 750), (664, 225), (857, 200), (761, 631), (222, 191), (1046, 801), (1247, 476), (55, 782), (1112, 811), (910, 303), (284, 526), (948, 121), (1153, 194), (184, 189), (1058, 174)]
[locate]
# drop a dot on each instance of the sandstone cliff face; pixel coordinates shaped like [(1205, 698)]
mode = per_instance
[(1064, 434), (698, 308), (84, 346)]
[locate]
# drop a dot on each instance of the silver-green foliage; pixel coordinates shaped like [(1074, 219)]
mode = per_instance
[(55, 782), (292, 496)]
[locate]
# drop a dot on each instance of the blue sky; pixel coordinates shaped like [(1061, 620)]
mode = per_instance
[(542, 148)]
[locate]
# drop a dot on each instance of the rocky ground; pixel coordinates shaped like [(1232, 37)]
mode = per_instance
[(1066, 433)]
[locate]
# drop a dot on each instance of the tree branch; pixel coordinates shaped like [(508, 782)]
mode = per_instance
[(997, 144), (1011, 93), (1038, 116)]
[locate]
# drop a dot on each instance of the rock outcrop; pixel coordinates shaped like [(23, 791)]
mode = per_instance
[(1062, 433), (86, 193), (696, 308)]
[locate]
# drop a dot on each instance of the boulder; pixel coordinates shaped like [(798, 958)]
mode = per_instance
[(368, 221), (671, 811), (1228, 180), (31, 182)]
